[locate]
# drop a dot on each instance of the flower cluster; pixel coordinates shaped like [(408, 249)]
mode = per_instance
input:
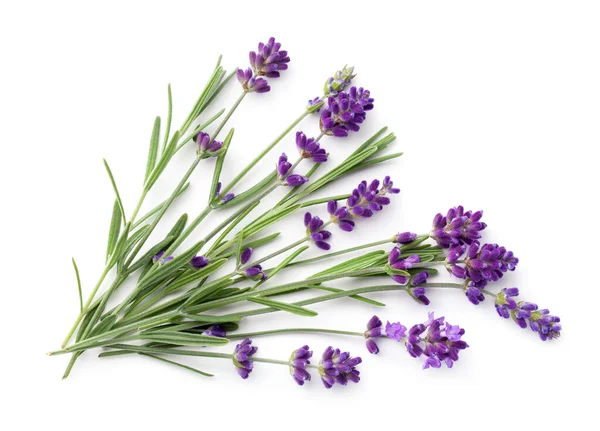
[(374, 330), (284, 173), (254, 272), (481, 264), (316, 232), (299, 360), (310, 149), (206, 147), (457, 227), (345, 112), (404, 238), (435, 342), (269, 60), (241, 357), (527, 314), (338, 367), (365, 200)]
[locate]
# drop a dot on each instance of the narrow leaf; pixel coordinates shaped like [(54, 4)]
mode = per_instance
[(153, 148), (78, 285), (195, 370), (284, 263), (219, 166), (169, 118), (183, 339), (114, 185), (294, 309), (114, 230), (357, 297), (354, 264), (210, 319)]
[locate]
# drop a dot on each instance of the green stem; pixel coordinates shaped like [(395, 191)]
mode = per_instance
[(86, 306), (293, 331), (276, 253), (262, 154), (456, 286)]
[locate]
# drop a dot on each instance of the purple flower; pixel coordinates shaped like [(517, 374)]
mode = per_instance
[(416, 291), (474, 295), (314, 105), (251, 84), (395, 331), (527, 314), (338, 367), (160, 260), (215, 331), (269, 60), (339, 81), (373, 331), (396, 263), (284, 173), (367, 199), (309, 149), (199, 262), (345, 112), (435, 342), (405, 238), (340, 216), (206, 147), (241, 357), (505, 303), (226, 198), (315, 231), (457, 228), (299, 361), (254, 272), (481, 265)]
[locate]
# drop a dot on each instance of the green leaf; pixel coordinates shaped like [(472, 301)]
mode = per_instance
[(169, 118), (269, 219), (114, 230), (153, 148), (205, 291), (182, 338), (231, 226), (162, 162), (254, 244), (254, 190), (104, 325), (238, 247), (283, 264), (158, 207), (195, 370), (219, 166), (357, 297), (324, 200), (354, 264), (179, 226), (78, 285), (114, 185), (294, 309), (210, 319), (391, 271), (164, 271), (194, 275)]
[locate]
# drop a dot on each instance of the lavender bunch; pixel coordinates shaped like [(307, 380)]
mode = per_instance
[(181, 296)]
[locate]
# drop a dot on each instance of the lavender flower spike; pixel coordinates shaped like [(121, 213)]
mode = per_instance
[(373, 331), (299, 361), (366, 199), (269, 60), (345, 112), (399, 264), (404, 238), (241, 357), (416, 291), (315, 231), (340, 216), (457, 227), (205, 147), (250, 84), (310, 149), (527, 314), (395, 331), (435, 342), (338, 367), (284, 173), (339, 81)]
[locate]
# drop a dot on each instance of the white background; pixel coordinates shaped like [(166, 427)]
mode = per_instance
[(496, 106)]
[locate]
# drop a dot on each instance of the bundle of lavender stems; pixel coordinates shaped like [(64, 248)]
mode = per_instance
[(176, 306)]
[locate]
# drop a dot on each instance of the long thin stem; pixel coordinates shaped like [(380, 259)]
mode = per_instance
[(276, 253), (293, 331), (262, 154)]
